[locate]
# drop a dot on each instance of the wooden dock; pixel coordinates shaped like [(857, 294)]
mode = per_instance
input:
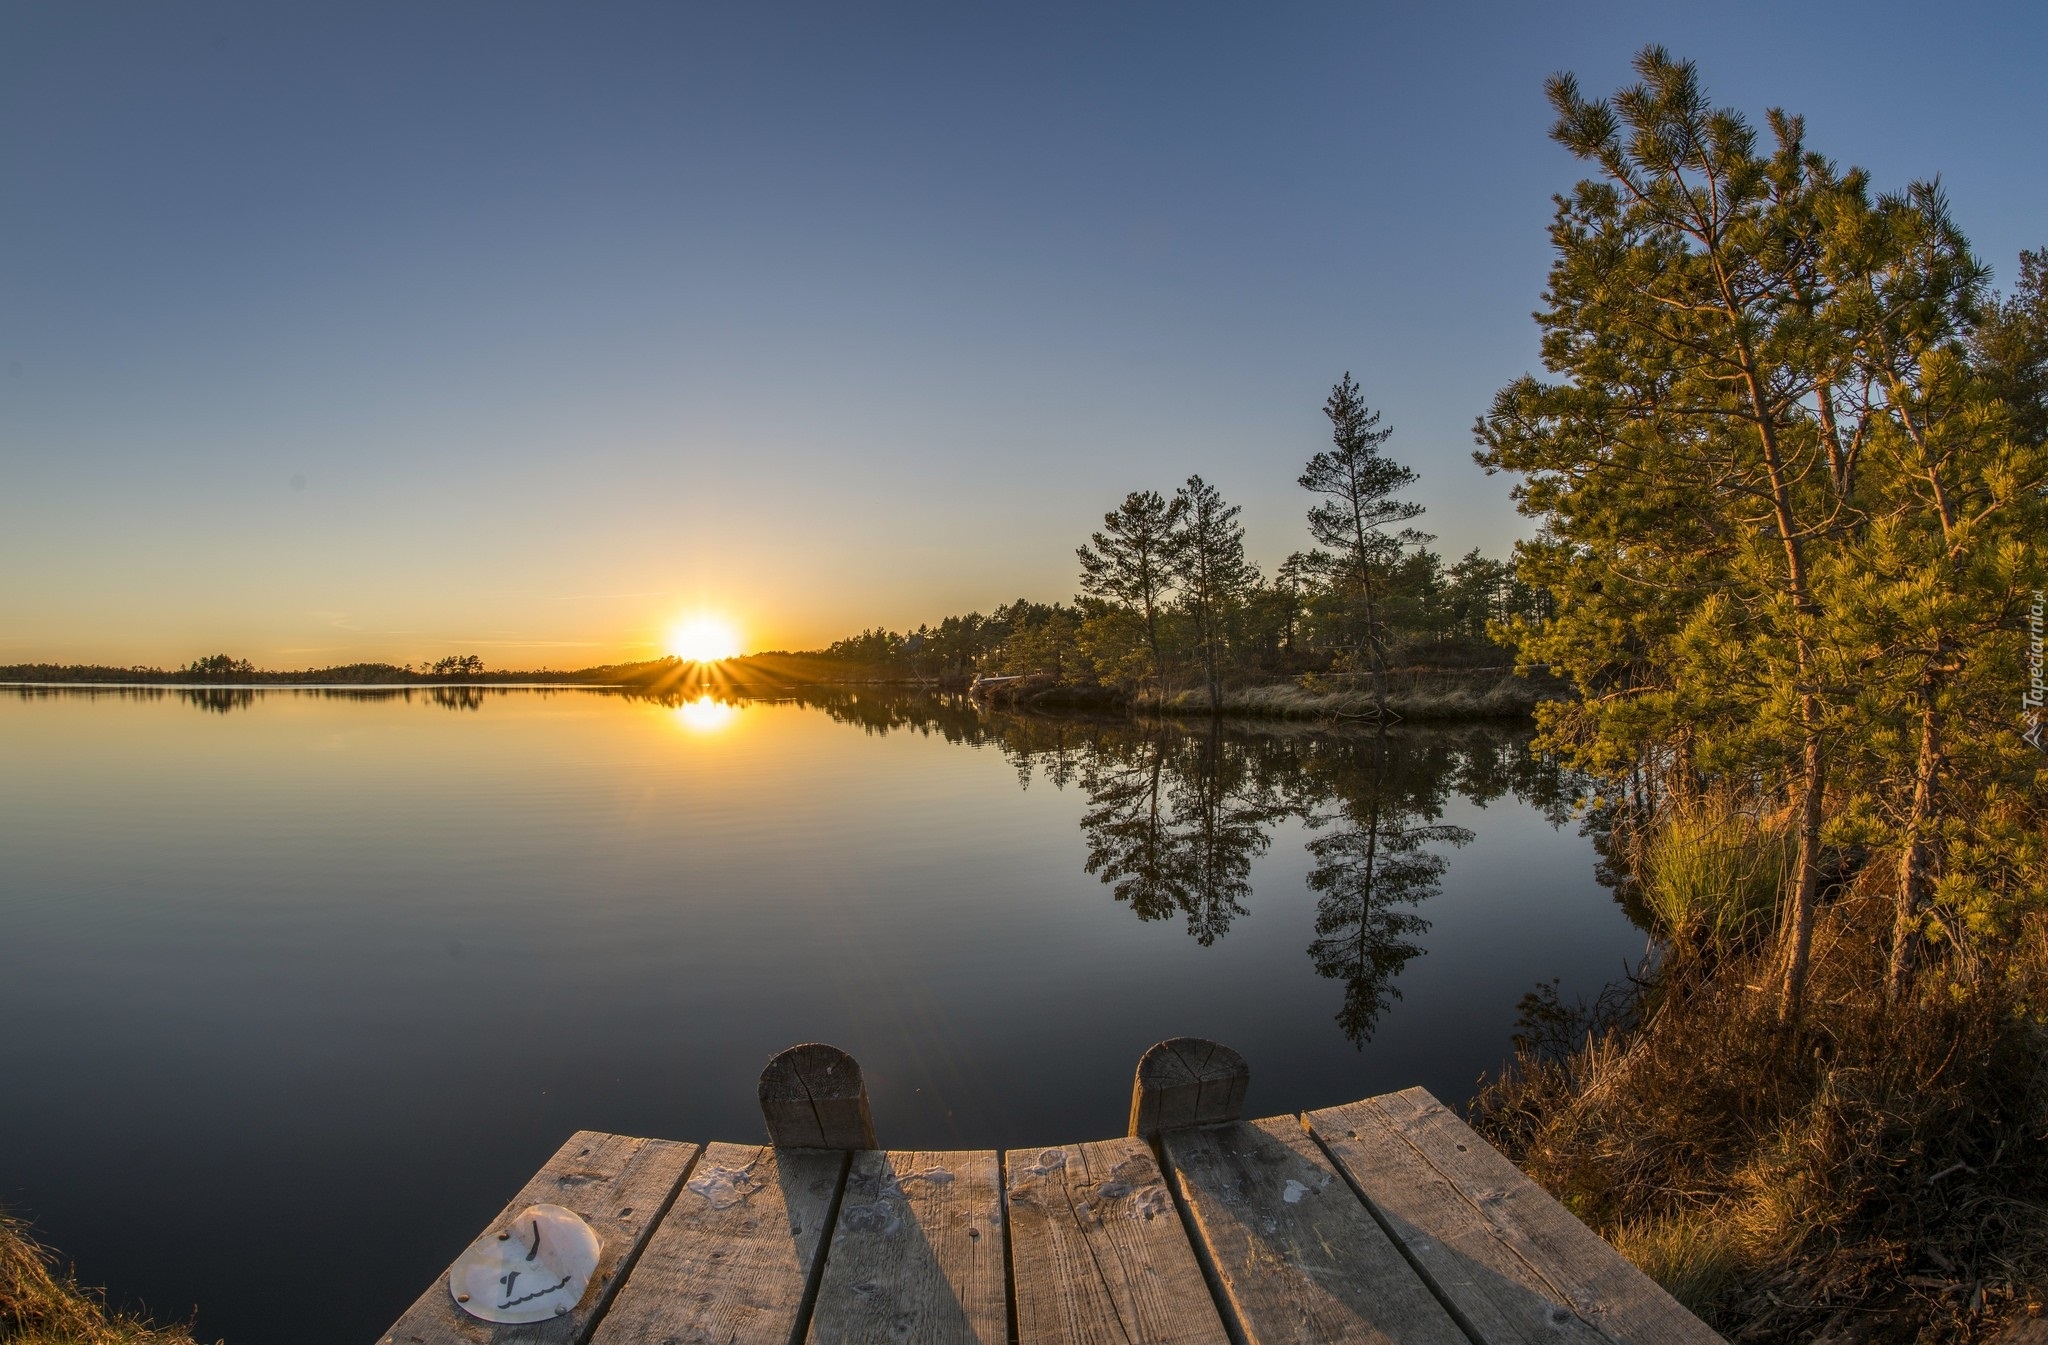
[(1385, 1220)]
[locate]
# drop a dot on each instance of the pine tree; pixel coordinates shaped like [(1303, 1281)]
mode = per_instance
[(1352, 523), (1789, 514), (1131, 561), (1212, 572)]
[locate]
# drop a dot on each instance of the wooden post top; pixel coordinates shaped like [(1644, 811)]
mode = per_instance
[(1187, 1081), (813, 1097)]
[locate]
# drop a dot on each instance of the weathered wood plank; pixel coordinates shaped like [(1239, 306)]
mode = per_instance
[(1187, 1081), (814, 1097), (917, 1252), (1297, 1257), (1578, 1264), (1498, 1298), (732, 1261), (1098, 1252), (619, 1185), (1468, 1240)]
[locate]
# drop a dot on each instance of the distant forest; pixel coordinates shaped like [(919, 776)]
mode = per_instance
[(225, 669)]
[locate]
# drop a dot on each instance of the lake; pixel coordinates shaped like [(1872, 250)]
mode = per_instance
[(302, 985)]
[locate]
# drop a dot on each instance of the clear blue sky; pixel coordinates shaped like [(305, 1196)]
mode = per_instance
[(385, 331)]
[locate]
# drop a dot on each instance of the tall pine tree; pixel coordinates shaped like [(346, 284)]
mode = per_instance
[(1360, 481)]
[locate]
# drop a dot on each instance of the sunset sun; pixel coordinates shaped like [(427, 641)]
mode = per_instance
[(704, 639)]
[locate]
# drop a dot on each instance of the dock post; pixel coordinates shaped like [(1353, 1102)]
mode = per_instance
[(1187, 1081), (813, 1097)]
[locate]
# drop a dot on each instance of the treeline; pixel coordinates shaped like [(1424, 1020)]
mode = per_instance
[(756, 672), (225, 669), (1169, 599), (1789, 471)]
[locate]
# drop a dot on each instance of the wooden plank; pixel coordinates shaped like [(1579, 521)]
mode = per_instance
[(1498, 1298), (619, 1185), (1514, 1265), (814, 1097), (917, 1252), (1098, 1252), (733, 1260), (1579, 1264), (1187, 1081), (1295, 1255)]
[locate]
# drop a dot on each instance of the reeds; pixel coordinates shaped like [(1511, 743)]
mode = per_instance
[(1712, 872), (1872, 1172), (1429, 694), (38, 1306)]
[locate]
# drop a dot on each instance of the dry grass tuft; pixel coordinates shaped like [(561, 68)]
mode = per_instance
[(1712, 872), (1412, 694), (1697, 1255), (40, 1307), (1876, 1171)]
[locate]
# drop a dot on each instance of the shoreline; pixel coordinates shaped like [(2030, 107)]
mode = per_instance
[(1429, 695)]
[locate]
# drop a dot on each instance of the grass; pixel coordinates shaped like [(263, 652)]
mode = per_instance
[(1873, 1173), (1712, 872), (40, 1306), (1417, 694)]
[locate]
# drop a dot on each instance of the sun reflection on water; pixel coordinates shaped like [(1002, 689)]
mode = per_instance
[(706, 715)]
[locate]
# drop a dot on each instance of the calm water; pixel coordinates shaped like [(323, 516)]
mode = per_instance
[(291, 976)]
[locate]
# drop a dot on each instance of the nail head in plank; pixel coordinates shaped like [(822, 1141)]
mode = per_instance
[(1098, 1251), (1296, 1255), (732, 1261), (1577, 1263), (1187, 1081), (916, 1252), (813, 1096), (618, 1185)]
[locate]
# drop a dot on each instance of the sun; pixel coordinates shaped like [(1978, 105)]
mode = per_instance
[(704, 639)]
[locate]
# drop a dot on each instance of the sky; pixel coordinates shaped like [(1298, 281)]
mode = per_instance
[(389, 331)]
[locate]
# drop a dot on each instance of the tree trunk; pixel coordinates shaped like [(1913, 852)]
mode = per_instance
[(1912, 881), (1796, 937), (1152, 640), (1841, 458), (1373, 652), (1797, 942), (1206, 619), (1685, 782)]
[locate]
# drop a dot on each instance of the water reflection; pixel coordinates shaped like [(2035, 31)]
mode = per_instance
[(705, 714), (1174, 821), (310, 927), (1175, 814), (223, 699), (1373, 868)]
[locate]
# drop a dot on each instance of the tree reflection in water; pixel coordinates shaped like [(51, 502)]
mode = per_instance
[(218, 700), (1373, 870), (1176, 814), (1174, 822)]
